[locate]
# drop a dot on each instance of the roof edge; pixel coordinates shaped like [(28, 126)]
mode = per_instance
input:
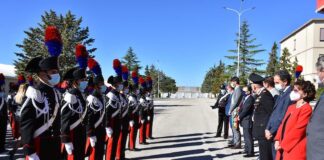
[(302, 27)]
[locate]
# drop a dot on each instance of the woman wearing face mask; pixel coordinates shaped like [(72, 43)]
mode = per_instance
[(290, 141), (113, 116), (95, 127), (73, 112), (40, 122)]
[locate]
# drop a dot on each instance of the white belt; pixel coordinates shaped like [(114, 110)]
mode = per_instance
[(125, 112), (136, 109), (2, 103), (75, 124), (100, 119), (116, 113), (49, 123)]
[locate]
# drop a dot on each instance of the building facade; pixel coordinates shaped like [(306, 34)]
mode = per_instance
[(306, 44), (9, 72)]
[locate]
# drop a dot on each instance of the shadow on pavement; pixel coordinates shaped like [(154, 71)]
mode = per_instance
[(172, 154), (181, 140), (175, 145), (196, 158), (227, 155), (172, 105), (185, 135)]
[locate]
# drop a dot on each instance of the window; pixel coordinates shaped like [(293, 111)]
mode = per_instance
[(322, 35)]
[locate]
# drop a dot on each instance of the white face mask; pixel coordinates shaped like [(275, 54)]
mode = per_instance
[(223, 91), (126, 91), (55, 79), (103, 88), (294, 96), (120, 87), (317, 79), (278, 87), (233, 85), (83, 85)]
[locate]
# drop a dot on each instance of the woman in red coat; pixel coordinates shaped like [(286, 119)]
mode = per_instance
[(290, 141)]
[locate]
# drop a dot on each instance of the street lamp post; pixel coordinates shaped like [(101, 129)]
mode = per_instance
[(158, 78), (239, 13)]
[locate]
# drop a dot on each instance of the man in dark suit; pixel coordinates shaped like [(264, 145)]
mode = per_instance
[(220, 104), (282, 81), (245, 118), (263, 106), (315, 128)]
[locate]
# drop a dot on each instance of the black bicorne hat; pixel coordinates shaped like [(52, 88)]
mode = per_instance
[(49, 63), (33, 65)]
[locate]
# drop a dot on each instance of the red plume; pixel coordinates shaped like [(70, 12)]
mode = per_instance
[(134, 74), (81, 51), (299, 68), (52, 33), (141, 80), (30, 78), (124, 69), (21, 78), (148, 78), (116, 63)]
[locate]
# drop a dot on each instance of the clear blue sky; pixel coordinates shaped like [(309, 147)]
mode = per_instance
[(186, 36)]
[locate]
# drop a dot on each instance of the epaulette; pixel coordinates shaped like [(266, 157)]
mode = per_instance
[(34, 94), (112, 96), (94, 101), (131, 99), (70, 98), (142, 101)]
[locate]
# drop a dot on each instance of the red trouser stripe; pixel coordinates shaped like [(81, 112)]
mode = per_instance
[(119, 145), (92, 150), (132, 138), (109, 148)]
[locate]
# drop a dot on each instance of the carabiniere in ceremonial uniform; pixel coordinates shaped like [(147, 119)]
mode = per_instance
[(40, 121)]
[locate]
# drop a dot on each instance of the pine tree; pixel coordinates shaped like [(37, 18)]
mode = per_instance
[(219, 78), (71, 32), (207, 84), (215, 77), (131, 60), (167, 83), (248, 51), (147, 71), (272, 66), (285, 63), (293, 68)]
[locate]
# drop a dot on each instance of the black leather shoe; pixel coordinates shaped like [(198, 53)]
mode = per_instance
[(248, 155), (236, 147)]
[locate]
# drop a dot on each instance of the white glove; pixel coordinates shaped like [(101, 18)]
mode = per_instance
[(142, 121), (131, 123), (33, 156), (93, 141), (69, 148), (109, 131), (148, 118)]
